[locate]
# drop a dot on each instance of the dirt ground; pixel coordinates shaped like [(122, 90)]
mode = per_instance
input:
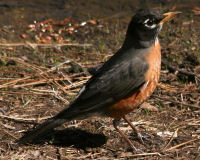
[(47, 48)]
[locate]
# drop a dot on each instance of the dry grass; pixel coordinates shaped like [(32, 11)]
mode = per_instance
[(37, 82)]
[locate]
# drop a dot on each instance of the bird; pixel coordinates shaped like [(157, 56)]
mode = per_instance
[(122, 83)]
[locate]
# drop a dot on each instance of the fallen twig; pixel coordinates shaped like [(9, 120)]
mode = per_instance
[(24, 120), (43, 74), (179, 145), (24, 93), (13, 72), (120, 14), (27, 77), (10, 134), (7, 126), (59, 65), (49, 45), (77, 84), (39, 81), (63, 89), (144, 154), (172, 137), (169, 100)]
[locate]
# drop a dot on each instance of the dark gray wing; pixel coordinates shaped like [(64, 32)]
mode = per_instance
[(118, 78)]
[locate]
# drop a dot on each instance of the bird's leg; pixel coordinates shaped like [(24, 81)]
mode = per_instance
[(115, 124), (139, 135)]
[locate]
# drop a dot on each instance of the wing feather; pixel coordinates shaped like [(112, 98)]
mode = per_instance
[(118, 78)]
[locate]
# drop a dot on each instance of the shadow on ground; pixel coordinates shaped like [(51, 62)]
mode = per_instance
[(74, 137)]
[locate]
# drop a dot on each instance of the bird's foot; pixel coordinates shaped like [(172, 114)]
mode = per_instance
[(142, 138)]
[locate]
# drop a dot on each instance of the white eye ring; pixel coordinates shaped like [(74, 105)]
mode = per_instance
[(149, 26)]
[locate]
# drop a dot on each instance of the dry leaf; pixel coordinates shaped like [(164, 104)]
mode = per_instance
[(149, 107)]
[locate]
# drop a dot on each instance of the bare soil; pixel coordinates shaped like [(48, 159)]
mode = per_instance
[(47, 48)]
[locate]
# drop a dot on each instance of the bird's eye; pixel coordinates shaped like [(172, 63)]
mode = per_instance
[(150, 23)]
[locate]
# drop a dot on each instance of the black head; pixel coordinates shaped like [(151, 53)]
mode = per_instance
[(145, 26)]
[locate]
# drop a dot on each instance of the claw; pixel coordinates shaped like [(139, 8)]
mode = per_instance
[(143, 138), (140, 137)]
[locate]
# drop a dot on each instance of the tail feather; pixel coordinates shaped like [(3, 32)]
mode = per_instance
[(78, 109), (41, 131)]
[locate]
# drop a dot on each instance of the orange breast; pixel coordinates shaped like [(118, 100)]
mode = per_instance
[(125, 106)]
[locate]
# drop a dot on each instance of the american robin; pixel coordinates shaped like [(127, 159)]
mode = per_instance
[(122, 83)]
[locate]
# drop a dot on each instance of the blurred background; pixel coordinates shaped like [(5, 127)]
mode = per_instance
[(19, 13)]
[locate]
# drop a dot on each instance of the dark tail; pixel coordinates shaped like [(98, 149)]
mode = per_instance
[(41, 131), (78, 109)]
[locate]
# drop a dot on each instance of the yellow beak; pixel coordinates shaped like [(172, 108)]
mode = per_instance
[(168, 17)]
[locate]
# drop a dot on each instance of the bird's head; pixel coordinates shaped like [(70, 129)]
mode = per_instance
[(146, 24)]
